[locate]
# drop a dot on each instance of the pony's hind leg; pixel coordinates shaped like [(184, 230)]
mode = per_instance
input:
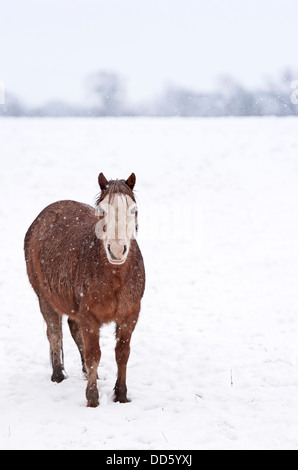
[(90, 333), (76, 333), (54, 334)]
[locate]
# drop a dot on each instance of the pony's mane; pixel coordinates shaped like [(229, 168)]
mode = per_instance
[(114, 187)]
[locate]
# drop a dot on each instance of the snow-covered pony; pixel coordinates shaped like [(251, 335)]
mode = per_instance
[(85, 263)]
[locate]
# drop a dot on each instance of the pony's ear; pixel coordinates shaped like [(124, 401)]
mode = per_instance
[(102, 181), (131, 181)]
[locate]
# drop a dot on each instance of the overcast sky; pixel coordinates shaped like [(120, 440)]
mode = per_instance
[(49, 47)]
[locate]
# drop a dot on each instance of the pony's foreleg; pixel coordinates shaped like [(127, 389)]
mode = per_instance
[(90, 333), (54, 334), (124, 331)]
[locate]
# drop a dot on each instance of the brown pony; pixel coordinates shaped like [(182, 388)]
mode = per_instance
[(85, 263)]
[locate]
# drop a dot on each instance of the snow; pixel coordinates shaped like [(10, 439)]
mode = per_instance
[(214, 357)]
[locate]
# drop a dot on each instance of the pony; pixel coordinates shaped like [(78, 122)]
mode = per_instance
[(85, 262)]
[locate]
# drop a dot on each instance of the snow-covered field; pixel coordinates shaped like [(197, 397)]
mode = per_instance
[(214, 359)]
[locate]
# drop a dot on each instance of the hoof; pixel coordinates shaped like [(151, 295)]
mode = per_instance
[(120, 394), (58, 376), (92, 403), (92, 396), (118, 399)]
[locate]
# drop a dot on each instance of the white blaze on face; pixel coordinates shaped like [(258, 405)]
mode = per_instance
[(117, 226)]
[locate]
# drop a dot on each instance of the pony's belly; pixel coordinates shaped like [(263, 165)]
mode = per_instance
[(106, 310), (62, 304)]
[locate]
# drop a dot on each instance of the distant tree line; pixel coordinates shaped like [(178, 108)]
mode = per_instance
[(231, 99)]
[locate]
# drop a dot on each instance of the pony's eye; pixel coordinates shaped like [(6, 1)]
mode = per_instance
[(133, 210), (101, 211)]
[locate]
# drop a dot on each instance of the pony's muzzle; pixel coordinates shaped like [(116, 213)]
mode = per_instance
[(117, 252)]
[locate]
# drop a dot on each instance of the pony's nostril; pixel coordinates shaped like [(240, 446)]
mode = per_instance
[(111, 253), (124, 250)]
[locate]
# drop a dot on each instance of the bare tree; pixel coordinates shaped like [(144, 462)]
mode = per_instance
[(109, 93)]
